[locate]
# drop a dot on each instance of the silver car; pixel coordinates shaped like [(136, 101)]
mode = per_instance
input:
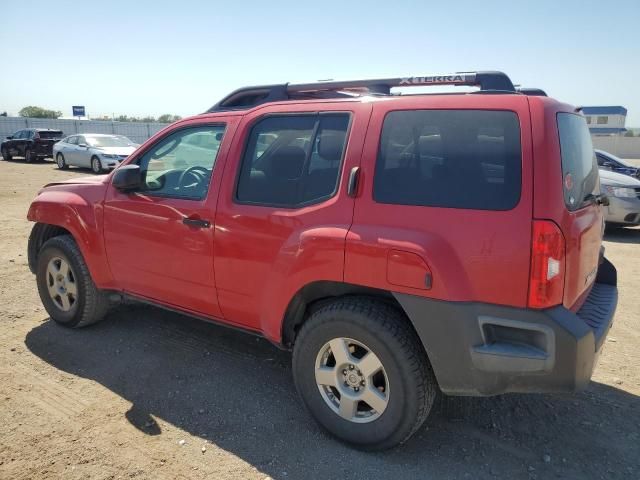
[(624, 198), (96, 151)]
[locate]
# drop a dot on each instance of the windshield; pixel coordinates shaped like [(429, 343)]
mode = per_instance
[(110, 141)]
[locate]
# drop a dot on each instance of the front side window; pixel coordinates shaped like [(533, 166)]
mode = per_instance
[(18, 134), (467, 159), (579, 164), (180, 165), (72, 140), (293, 160)]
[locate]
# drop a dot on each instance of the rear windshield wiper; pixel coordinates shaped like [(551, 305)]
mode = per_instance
[(597, 199)]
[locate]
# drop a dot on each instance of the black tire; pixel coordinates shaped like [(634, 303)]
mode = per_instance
[(386, 332), (91, 304), (28, 155), (5, 154), (60, 161), (96, 165)]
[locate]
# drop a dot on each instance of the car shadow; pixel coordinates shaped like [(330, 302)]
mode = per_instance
[(623, 235), (235, 390)]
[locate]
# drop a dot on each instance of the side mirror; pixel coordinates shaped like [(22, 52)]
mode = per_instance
[(9, 137), (608, 165), (127, 178), (83, 145)]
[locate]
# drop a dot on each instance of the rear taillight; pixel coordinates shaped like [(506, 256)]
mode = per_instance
[(546, 281)]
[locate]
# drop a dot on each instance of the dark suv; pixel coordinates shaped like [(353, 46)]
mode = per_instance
[(397, 244), (30, 143)]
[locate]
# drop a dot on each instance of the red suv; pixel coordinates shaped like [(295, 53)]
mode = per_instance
[(399, 244)]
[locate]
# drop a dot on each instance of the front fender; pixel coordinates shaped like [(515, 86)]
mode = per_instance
[(83, 219)]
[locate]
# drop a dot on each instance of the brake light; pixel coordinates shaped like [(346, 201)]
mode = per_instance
[(546, 281)]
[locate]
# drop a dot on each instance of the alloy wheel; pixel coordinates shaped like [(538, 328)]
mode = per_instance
[(61, 283), (352, 380)]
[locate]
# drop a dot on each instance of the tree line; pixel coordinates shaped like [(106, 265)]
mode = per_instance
[(39, 112)]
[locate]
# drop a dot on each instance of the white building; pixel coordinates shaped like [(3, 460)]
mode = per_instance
[(607, 120)]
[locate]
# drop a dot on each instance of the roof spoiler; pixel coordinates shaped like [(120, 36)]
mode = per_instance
[(248, 97)]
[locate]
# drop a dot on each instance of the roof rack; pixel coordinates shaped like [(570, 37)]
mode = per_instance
[(248, 97), (532, 92)]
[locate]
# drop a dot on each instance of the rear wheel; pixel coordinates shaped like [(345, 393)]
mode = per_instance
[(28, 155), (65, 285), (5, 154), (362, 373), (96, 166), (60, 161)]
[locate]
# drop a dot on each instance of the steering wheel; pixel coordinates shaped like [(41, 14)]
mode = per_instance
[(196, 172)]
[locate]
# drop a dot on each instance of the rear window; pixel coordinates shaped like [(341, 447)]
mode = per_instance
[(50, 134), (467, 159), (579, 164)]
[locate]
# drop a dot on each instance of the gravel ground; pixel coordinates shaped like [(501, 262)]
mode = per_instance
[(152, 394)]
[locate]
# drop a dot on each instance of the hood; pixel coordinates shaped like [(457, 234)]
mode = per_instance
[(608, 177), (115, 150), (92, 180)]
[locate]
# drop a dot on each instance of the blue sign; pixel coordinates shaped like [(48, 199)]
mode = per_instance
[(78, 110)]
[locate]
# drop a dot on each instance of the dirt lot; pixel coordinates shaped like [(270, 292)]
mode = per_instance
[(151, 394)]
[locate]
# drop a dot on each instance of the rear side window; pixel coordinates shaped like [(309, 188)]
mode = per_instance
[(467, 159), (293, 160), (579, 164)]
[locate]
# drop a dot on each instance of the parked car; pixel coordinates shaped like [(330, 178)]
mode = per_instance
[(609, 161), (30, 143), (623, 193), (397, 244), (96, 151)]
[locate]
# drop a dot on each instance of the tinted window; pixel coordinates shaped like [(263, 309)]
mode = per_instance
[(293, 160), (449, 158), (50, 134), (18, 134), (181, 166), (579, 165), (29, 134)]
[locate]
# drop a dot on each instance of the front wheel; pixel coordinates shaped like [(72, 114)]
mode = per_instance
[(362, 373), (5, 154), (96, 166), (65, 285), (60, 161)]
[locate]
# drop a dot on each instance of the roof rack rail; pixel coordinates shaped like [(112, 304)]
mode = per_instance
[(533, 92), (248, 97)]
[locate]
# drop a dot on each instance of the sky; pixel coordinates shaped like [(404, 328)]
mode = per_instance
[(142, 58)]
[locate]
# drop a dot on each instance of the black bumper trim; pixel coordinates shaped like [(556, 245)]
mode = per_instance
[(484, 349)]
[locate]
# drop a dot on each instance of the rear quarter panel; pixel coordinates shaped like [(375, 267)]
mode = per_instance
[(473, 255)]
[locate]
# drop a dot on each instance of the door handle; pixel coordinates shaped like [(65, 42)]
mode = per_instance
[(352, 185), (196, 222)]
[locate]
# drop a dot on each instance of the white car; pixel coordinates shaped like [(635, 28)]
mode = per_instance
[(99, 152)]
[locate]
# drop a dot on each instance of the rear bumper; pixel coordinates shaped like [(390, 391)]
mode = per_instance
[(483, 349)]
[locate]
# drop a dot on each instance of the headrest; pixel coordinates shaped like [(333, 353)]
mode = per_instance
[(330, 146), (287, 162)]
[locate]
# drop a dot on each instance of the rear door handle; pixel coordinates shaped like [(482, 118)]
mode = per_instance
[(352, 186), (196, 222)]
